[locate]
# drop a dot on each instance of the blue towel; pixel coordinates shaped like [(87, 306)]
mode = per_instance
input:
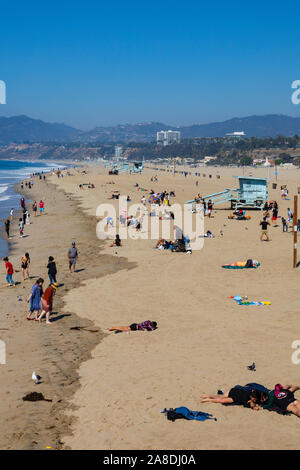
[(197, 415)]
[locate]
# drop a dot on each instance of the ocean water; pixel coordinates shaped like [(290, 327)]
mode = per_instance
[(12, 172)]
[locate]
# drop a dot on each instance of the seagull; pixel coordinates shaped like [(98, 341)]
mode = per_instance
[(36, 378)]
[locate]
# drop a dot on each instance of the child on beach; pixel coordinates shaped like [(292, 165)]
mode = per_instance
[(51, 266), (146, 325), (9, 272), (21, 227), (117, 241)]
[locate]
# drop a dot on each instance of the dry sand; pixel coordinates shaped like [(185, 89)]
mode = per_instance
[(204, 341)]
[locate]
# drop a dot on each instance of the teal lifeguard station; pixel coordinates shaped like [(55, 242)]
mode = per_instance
[(252, 193)]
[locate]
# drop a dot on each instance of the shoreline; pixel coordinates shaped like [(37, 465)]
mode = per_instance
[(56, 352)]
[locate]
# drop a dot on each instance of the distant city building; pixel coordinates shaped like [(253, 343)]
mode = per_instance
[(236, 134), (168, 137), (118, 152)]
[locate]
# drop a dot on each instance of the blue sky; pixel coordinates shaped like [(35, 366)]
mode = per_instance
[(93, 63)]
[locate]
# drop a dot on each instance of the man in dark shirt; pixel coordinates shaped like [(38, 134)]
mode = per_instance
[(7, 226), (264, 229), (247, 396)]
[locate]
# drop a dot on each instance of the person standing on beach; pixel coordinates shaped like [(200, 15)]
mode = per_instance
[(35, 299), (72, 256), (284, 224), (42, 207), (51, 266), (25, 262), (7, 227), (34, 208), (9, 272), (21, 227), (22, 203), (264, 229), (47, 302), (11, 214)]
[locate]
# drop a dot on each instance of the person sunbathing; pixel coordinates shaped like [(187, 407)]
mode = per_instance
[(246, 395), (144, 326), (281, 399)]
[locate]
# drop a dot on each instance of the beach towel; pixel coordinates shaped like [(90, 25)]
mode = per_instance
[(240, 301), (184, 413), (230, 266)]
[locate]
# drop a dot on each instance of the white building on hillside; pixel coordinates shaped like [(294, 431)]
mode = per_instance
[(168, 137)]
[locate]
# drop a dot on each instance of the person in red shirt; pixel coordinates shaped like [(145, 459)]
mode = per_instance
[(42, 208), (47, 302), (9, 272)]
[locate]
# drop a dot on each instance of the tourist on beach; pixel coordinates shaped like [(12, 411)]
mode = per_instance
[(9, 272), (7, 227), (34, 208), (27, 215), (11, 214), (274, 215), (281, 399), (25, 262), (117, 241), (21, 227), (146, 325), (247, 395), (47, 302), (72, 256), (42, 207), (264, 229), (35, 299), (284, 224), (289, 215), (22, 203), (52, 271)]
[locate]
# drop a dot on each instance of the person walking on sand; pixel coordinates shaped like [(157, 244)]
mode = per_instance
[(52, 271), (35, 299), (72, 257), (7, 227), (25, 262), (11, 214), (9, 272), (264, 229), (47, 302)]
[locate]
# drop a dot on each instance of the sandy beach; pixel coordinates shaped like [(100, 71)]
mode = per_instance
[(204, 342), (54, 352), (108, 389)]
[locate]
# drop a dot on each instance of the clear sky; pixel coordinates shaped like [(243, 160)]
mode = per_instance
[(93, 63)]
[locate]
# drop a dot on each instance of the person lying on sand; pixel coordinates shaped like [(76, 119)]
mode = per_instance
[(246, 395), (146, 325), (281, 399)]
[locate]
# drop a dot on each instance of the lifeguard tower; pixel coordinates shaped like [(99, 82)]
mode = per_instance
[(252, 193)]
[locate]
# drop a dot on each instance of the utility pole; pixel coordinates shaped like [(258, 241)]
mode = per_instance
[(295, 226)]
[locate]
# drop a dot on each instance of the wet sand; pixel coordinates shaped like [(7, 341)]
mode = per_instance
[(53, 351)]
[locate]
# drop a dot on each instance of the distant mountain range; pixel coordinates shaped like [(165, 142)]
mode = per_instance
[(25, 129)]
